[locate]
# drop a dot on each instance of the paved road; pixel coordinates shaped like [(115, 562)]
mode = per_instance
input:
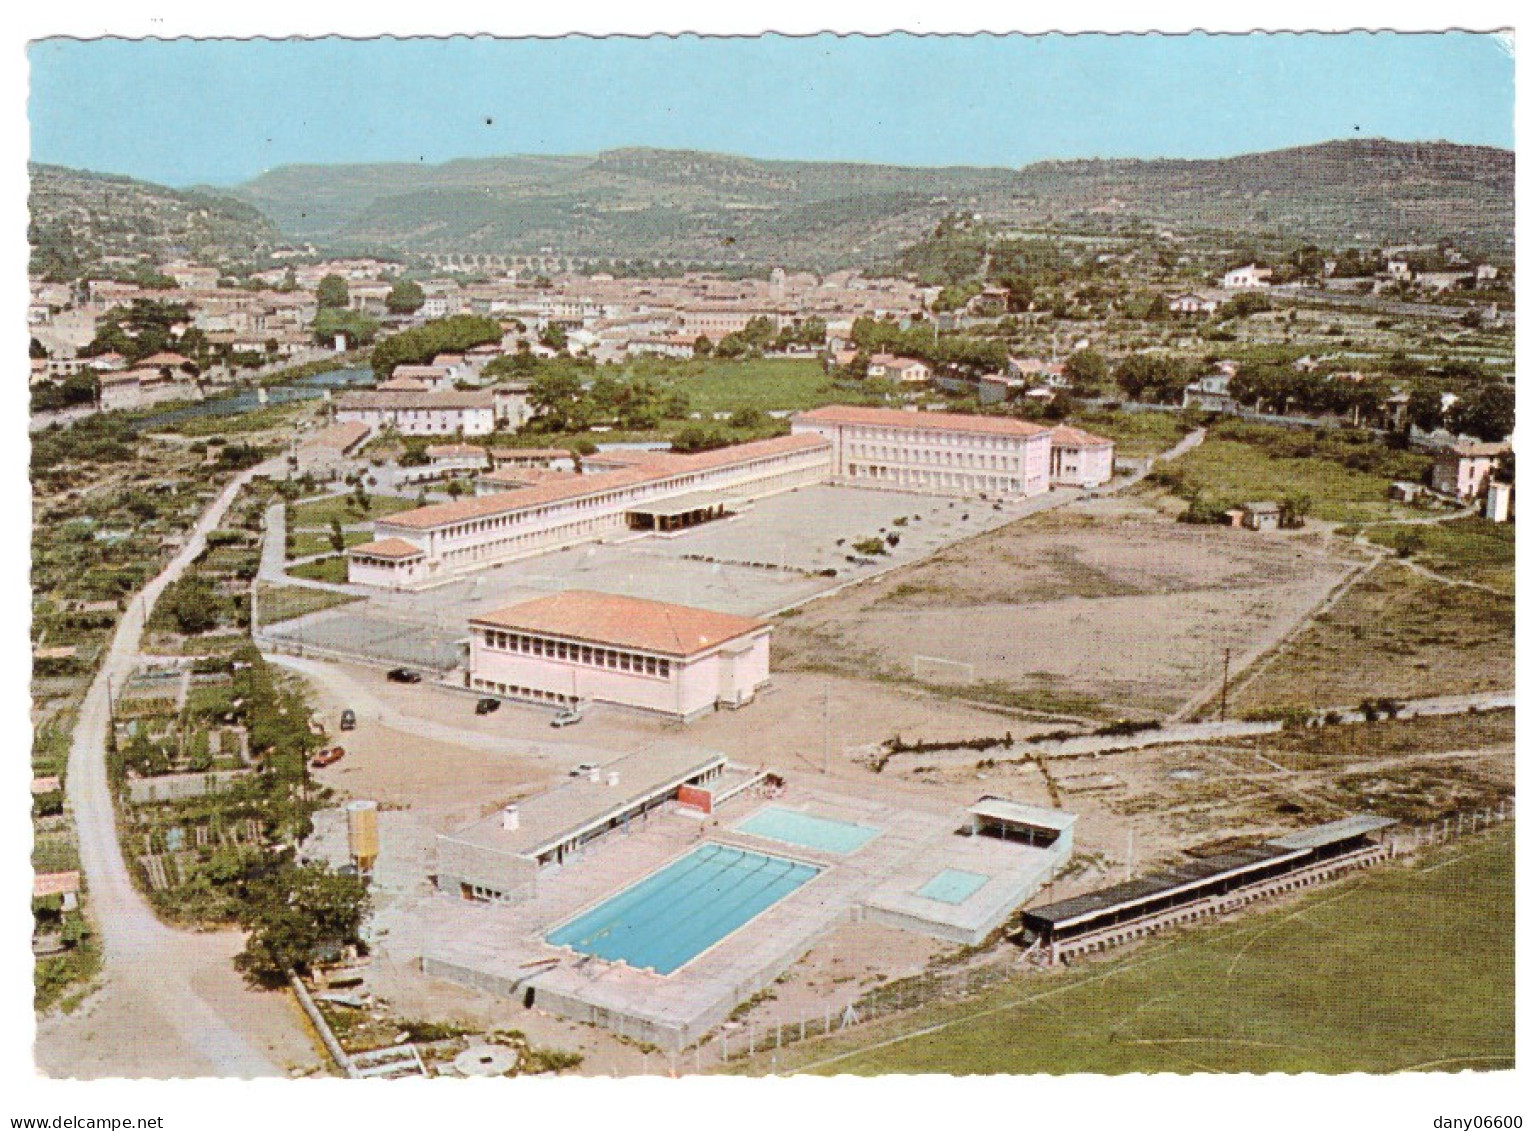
[(141, 953)]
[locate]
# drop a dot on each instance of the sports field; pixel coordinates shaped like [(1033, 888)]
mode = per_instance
[(1399, 969)]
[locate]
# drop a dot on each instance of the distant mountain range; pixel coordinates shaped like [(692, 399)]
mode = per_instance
[(703, 207)]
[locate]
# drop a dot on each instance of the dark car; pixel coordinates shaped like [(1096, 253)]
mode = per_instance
[(404, 675), (348, 719), (485, 706)]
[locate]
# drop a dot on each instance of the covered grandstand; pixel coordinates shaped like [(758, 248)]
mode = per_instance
[(1202, 887)]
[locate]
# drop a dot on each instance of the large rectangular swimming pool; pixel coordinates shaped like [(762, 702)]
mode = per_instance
[(820, 833), (671, 916)]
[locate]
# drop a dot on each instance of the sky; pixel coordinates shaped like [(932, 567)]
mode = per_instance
[(183, 112)]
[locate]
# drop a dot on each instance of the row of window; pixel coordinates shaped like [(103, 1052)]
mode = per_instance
[(537, 694), (610, 658), (626, 496), (969, 439), (942, 458)]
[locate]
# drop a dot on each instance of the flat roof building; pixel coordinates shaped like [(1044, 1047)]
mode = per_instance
[(499, 857), (576, 647)]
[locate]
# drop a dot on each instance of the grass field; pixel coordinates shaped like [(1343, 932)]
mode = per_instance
[(319, 512), (1134, 434), (1394, 633), (767, 384), (306, 543), (1466, 549), (284, 602), (1399, 969), (332, 569)]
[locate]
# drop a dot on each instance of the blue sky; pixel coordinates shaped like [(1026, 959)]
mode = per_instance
[(185, 112)]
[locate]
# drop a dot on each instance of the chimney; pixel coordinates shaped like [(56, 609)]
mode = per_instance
[(511, 819)]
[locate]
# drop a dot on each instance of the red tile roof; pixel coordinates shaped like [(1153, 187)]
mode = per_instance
[(625, 622), (1064, 436), (925, 421), (389, 548), (663, 466)]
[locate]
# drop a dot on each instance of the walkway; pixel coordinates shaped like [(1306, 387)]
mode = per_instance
[(174, 1026)]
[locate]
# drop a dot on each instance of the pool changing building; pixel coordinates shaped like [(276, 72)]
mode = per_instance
[(499, 858), (577, 646)]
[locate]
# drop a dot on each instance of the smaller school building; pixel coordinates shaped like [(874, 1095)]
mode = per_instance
[(578, 646)]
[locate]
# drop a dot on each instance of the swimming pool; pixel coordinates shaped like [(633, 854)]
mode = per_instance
[(671, 916), (793, 827), (952, 885)]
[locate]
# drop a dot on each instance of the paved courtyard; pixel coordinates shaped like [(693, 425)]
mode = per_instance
[(778, 552)]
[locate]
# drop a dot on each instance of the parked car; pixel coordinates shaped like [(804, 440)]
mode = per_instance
[(348, 719), (567, 717), (327, 757), (486, 706), (583, 769), (404, 675)]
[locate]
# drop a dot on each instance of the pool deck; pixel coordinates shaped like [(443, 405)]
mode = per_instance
[(502, 949)]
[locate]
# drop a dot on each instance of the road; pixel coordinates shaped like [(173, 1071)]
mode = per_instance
[(170, 1005)]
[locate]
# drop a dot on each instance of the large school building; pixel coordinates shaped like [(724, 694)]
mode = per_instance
[(418, 546), (940, 452), (527, 511)]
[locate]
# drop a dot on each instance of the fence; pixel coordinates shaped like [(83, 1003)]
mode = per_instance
[(745, 1037)]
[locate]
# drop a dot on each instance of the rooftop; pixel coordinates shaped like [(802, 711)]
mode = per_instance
[(566, 811), (927, 421), (1333, 833), (388, 548), (626, 622), (1065, 436), (1018, 813), (662, 465)]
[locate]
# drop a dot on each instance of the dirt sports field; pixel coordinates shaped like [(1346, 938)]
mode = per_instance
[(1109, 611)]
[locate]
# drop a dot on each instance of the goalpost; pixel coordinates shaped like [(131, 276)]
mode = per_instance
[(936, 669)]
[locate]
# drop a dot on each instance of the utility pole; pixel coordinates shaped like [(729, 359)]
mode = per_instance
[(1225, 685), (825, 720)]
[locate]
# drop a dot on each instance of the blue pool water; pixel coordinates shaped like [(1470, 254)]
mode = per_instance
[(952, 886), (671, 916), (791, 827)]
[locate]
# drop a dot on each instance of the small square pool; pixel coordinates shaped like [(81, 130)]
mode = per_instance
[(820, 833), (952, 885)]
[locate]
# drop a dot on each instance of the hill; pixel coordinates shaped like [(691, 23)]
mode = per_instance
[(93, 222), (631, 203), (1368, 192), (645, 205)]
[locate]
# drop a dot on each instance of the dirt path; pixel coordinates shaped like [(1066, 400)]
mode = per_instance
[(170, 1004)]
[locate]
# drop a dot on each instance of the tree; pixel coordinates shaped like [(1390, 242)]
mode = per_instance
[(406, 297), (295, 916), (1486, 414), (702, 346), (337, 536), (191, 605), (1424, 409), (554, 337), (332, 293), (1087, 369), (555, 397)]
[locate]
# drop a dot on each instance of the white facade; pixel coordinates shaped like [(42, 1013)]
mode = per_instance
[(1246, 277), (580, 665), (474, 533), (1079, 459), (434, 414), (940, 453)]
